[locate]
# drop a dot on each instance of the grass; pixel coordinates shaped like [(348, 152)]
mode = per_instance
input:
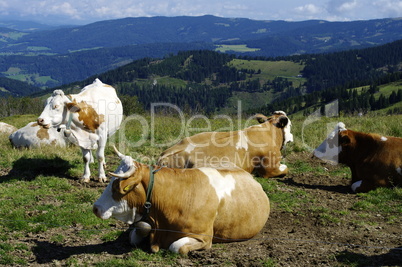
[(272, 69), (37, 194)]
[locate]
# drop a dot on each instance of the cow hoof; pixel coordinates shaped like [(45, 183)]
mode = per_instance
[(84, 180), (102, 180)]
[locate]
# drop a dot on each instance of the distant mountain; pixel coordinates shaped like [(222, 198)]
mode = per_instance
[(52, 57), (302, 37), (28, 26)]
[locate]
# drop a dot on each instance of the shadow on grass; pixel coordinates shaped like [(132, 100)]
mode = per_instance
[(27, 168), (332, 188), (47, 252), (392, 258)]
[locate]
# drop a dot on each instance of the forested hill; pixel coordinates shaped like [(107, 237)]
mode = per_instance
[(210, 81), (52, 57), (352, 68), (16, 88)]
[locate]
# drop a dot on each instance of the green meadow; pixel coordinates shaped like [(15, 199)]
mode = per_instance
[(41, 200)]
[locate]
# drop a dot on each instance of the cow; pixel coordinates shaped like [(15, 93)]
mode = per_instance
[(256, 148), (374, 160), (87, 119), (184, 209), (7, 128), (33, 135)]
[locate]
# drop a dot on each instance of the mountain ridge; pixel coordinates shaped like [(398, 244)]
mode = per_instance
[(51, 58)]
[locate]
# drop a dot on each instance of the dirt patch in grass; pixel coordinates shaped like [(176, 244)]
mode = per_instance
[(326, 230)]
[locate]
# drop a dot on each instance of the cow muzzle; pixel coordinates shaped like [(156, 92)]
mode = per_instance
[(41, 122), (97, 210)]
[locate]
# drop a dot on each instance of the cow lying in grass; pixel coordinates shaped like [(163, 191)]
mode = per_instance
[(256, 148), (375, 160), (33, 135), (189, 208)]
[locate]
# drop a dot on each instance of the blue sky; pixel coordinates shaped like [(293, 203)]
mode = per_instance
[(87, 11)]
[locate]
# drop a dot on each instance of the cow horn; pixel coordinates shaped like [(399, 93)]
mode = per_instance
[(127, 174), (120, 155)]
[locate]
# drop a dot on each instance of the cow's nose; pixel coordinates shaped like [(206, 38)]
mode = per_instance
[(40, 121), (96, 210)]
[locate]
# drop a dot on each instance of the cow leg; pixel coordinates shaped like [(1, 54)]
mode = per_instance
[(186, 244), (366, 185), (87, 156), (270, 166), (100, 154), (281, 171)]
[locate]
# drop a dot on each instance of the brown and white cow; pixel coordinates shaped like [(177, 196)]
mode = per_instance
[(190, 208), (374, 160), (256, 148), (33, 135), (87, 119)]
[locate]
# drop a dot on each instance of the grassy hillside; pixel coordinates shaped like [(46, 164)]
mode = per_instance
[(272, 69)]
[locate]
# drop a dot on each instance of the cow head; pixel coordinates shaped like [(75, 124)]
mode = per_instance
[(124, 194), (55, 110), (331, 148), (279, 119)]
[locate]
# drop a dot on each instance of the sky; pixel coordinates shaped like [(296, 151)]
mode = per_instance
[(59, 12)]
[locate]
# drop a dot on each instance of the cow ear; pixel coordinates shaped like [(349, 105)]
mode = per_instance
[(73, 107), (344, 138), (282, 122), (260, 118), (127, 185)]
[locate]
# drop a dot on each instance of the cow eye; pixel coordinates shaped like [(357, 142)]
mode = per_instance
[(56, 107)]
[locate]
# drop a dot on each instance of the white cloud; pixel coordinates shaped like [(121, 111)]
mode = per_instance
[(309, 9), (389, 8), (348, 6)]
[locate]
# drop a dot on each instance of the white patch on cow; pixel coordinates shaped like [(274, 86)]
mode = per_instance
[(189, 148), (356, 185), (288, 135), (243, 141), (279, 112), (340, 126), (107, 207), (399, 170), (283, 167), (175, 246), (383, 138), (223, 185)]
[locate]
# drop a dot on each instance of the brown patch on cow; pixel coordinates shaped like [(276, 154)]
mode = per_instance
[(42, 133), (34, 124), (87, 114)]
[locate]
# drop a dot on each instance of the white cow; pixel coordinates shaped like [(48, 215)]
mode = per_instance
[(7, 128), (87, 118), (33, 135)]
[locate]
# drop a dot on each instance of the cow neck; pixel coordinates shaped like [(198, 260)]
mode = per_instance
[(70, 116), (148, 204)]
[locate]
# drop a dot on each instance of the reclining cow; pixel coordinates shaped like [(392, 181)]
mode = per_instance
[(256, 148), (374, 160), (189, 208), (87, 119), (33, 135)]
